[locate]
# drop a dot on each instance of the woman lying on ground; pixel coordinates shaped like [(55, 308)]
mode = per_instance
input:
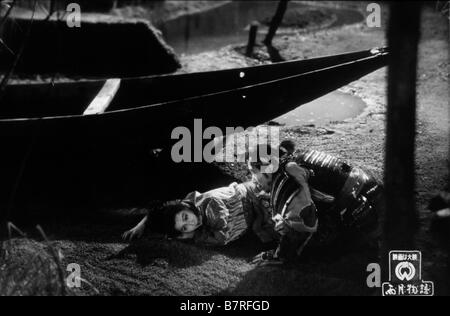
[(314, 197), (215, 218), (223, 215)]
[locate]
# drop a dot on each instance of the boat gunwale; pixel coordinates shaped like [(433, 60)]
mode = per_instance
[(271, 65), (144, 107)]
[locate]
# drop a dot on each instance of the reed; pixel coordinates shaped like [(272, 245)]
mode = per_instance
[(30, 268)]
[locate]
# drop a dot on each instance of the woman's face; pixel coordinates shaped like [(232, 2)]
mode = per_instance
[(265, 180), (186, 221)]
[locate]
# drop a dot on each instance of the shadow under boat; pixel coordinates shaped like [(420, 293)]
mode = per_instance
[(71, 136)]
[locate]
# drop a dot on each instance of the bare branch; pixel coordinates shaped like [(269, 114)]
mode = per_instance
[(8, 13), (13, 228), (56, 258), (7, 76), (2, 43)]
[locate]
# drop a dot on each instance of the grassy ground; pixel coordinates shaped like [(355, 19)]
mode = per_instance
[(31, 268), (157, 267)]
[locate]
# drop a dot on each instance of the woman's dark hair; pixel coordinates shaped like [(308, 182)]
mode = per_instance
[(162, 218)]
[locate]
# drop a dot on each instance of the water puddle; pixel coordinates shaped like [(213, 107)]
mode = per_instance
[(335, 106)]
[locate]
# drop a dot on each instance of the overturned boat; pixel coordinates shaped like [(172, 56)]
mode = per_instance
[(56, 128)]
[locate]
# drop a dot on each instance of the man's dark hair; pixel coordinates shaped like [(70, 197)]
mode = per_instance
[(286, 147)]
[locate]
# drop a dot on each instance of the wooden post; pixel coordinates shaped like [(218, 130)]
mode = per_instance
[(276, 21), (400, 219), (52, 8), (252, 39)]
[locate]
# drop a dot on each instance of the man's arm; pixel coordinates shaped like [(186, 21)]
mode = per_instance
[(302, 201), (301, 176)]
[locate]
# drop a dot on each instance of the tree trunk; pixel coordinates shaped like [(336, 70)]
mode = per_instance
[(276, 22), (400, 218)]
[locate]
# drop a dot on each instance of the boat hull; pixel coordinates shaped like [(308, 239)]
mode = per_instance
[(79, 150)]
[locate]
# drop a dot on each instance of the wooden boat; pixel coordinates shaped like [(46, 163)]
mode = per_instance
[(151, 107), (78, 122)]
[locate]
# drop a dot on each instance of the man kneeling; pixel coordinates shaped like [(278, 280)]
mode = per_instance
[(346, 197)]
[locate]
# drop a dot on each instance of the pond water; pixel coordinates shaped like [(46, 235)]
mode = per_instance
[(229, 23)]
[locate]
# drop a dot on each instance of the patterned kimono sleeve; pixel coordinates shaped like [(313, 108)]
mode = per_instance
[(215, 231), (193, 197)]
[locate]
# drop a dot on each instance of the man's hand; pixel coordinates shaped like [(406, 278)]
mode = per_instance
[(267, 258), (281, 226)]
